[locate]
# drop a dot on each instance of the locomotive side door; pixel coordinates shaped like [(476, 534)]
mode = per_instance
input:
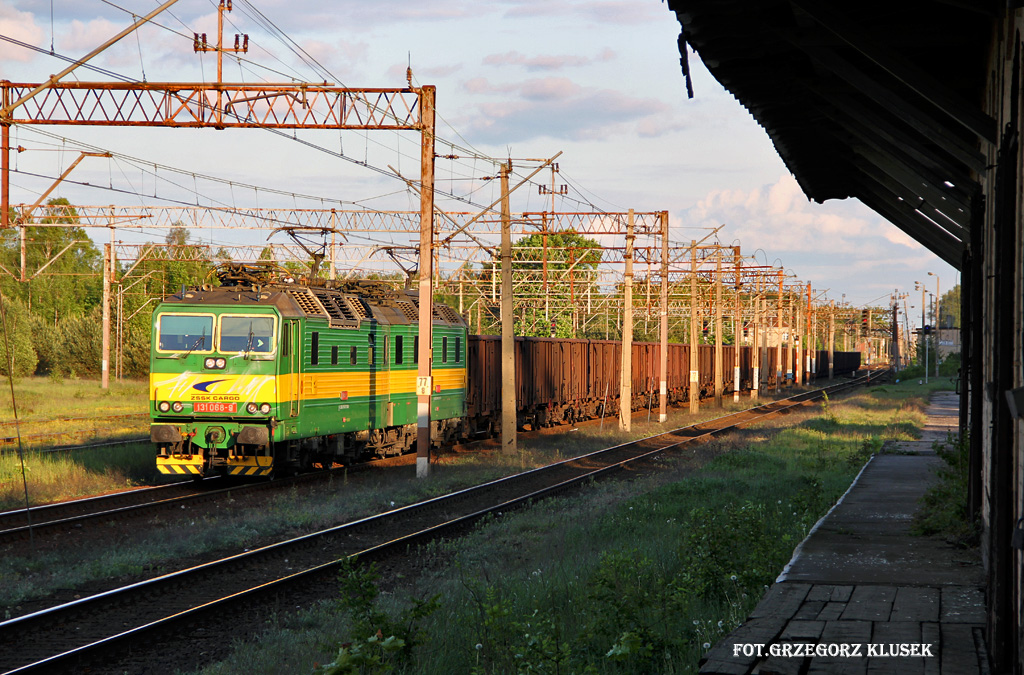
[(294, 366)]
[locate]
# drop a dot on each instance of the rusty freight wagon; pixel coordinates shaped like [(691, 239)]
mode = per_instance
[(563, 381)]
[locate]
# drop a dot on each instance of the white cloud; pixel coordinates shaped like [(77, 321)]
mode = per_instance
[(547, 61), (19, 26), (555, 107), (832, 244)]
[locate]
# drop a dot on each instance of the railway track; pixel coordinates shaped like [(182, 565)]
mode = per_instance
[(58, 517), (50, 519), (115, 624)]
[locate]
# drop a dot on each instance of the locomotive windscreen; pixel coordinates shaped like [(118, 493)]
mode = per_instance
[(185, 331), (246, 333)]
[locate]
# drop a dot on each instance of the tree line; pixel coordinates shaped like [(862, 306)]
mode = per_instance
[(53, 299)]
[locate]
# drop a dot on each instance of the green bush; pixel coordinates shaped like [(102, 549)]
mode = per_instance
[(18, 340), (379, 641), (81, 344)]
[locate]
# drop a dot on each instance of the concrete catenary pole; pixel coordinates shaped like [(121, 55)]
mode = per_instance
[(755, 342), (694, 350), (718, 327), (5, 175), (809, 346), (779, 365), (663, 366), (737, 330), (424, 383), (797, 327), (626, 379), (508, 353), (831, 338), (105, 356), (895, 334)]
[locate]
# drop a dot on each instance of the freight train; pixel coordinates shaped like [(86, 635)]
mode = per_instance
[(264, 375)]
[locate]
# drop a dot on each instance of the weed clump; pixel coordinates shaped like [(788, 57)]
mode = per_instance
[(944, 506)]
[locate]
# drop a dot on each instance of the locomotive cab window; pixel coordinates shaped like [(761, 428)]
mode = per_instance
[(185, 333), (246, 334), (458, 349), (334, 355), (444, 350), (352, 356), (398, 349)]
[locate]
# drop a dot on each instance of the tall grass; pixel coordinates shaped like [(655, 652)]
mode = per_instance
[(56, 476), (42, 398), (55, 410)]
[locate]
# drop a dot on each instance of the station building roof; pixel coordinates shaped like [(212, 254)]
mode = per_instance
[(877, 100)]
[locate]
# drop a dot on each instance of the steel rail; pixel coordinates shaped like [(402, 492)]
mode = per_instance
[(46, 513), (60, 516), (188, 616)]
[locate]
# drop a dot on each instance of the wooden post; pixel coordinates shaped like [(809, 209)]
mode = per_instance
[(694, 350), (718, 327), (508, 353), (626, 379), (424, 382), (663, 386)]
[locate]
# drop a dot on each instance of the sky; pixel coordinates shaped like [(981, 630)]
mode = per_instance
[(599, 82)]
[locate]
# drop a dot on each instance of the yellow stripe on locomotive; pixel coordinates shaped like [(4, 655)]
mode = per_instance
[(249, 378)]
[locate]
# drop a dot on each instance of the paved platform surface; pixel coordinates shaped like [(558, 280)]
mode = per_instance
[(860, 579)]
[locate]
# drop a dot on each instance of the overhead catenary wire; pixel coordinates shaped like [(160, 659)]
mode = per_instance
[(365, 163), (261, 19)]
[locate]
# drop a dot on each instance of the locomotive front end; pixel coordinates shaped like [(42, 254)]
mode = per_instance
[(213, 389)]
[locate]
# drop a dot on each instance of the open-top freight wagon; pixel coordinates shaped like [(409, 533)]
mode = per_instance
[(563, 381)]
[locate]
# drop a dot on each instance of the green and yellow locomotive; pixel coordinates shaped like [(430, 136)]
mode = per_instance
[(266, 374)]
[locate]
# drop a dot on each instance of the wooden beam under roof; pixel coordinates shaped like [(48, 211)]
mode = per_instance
[(899, 67), (957, 223), (879, 141), (904, 216), (885, 97), (935, 153)]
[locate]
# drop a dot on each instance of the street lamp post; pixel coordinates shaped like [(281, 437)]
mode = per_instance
[(938, 325), (924, 337)]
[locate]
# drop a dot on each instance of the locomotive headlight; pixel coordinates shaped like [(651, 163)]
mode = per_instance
[(177, 406), (265, 408), (163, 406), (251, 408), (209, 363), (221, 362)]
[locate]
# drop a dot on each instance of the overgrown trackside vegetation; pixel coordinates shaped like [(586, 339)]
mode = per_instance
[(944, 507), (638, 576), (55, 410)]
